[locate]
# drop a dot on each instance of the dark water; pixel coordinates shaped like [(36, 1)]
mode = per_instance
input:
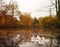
[(24, 35), (6, 32)]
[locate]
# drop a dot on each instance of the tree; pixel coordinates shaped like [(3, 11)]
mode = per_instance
[(35, 22), (41, 23), (12, 11), (3, 17), (57, 2), (26, 20), (2, 3)]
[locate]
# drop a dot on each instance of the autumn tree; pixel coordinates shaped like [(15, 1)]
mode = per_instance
[(2, 13), (41, 22), (12, 11), (26, 20)]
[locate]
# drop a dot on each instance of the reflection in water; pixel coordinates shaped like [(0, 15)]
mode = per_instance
[(27, 37)]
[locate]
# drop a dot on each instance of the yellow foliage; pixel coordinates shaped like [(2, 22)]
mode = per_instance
[(2, 20)]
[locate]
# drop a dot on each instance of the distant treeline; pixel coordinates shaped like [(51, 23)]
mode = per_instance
[(26, 21), (7, 19)]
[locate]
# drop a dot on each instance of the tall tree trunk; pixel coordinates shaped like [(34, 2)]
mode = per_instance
[(58, 9)]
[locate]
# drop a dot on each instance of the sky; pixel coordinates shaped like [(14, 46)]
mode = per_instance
[(37, 8)]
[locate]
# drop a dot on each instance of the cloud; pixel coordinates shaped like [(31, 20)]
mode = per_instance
[(34, 5)]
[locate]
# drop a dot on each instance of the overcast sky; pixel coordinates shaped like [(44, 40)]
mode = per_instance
[(35, 7)]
